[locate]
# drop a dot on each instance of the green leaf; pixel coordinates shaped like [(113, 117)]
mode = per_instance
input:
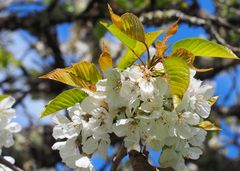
[(62, 76), (86, 71), (129, 24), (189, 57), (2, 97), (203, 47), (178, 74), (82, 74), (185, 54), (129, 58), (99, 31), (64, 100), (133, 27), (129, 42)]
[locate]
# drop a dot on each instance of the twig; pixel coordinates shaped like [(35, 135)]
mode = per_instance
[(209, 22), (138, 57), (117, 159), (172, 14), (52, 5), (217, 70), (19, 100), (149, 57), (199, 19), (221, 39), (9, 165), (140, 162)]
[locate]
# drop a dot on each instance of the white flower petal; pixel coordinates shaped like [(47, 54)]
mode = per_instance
[(83, 162), (203, 108), (207, 91), (197, 140), (102, 149), (13, 127), (193, 153), (9, 159), (147, 88), (60, 119), (58, 145), (135, 73), (90, 146), (191, 118), (184, 131), (123, 122), (169, 158), (7, 103)]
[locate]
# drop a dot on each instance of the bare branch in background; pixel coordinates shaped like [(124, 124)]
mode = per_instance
[(8, 164)]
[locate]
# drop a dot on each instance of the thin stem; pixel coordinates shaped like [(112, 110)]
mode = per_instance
[(138, 57), (162, 58), (9, 165), (141, 61), (149, 57)]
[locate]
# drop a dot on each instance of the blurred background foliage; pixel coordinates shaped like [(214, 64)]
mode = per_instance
[(37, 36)]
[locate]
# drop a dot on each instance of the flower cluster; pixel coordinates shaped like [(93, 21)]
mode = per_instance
[(135, 104), (7, 127)]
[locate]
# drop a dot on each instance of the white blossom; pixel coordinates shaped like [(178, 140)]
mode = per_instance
[(5, 107), (137, 106), (7, 128), (70, 155)]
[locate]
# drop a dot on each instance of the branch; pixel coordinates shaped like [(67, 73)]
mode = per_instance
[(221, 40), (21, 98), (9, 165), (158, 16), (52, 5), (117, 159), (208, 22), (227, 111), (53, 43), (45, 18), (140, 162), (200, 18)]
